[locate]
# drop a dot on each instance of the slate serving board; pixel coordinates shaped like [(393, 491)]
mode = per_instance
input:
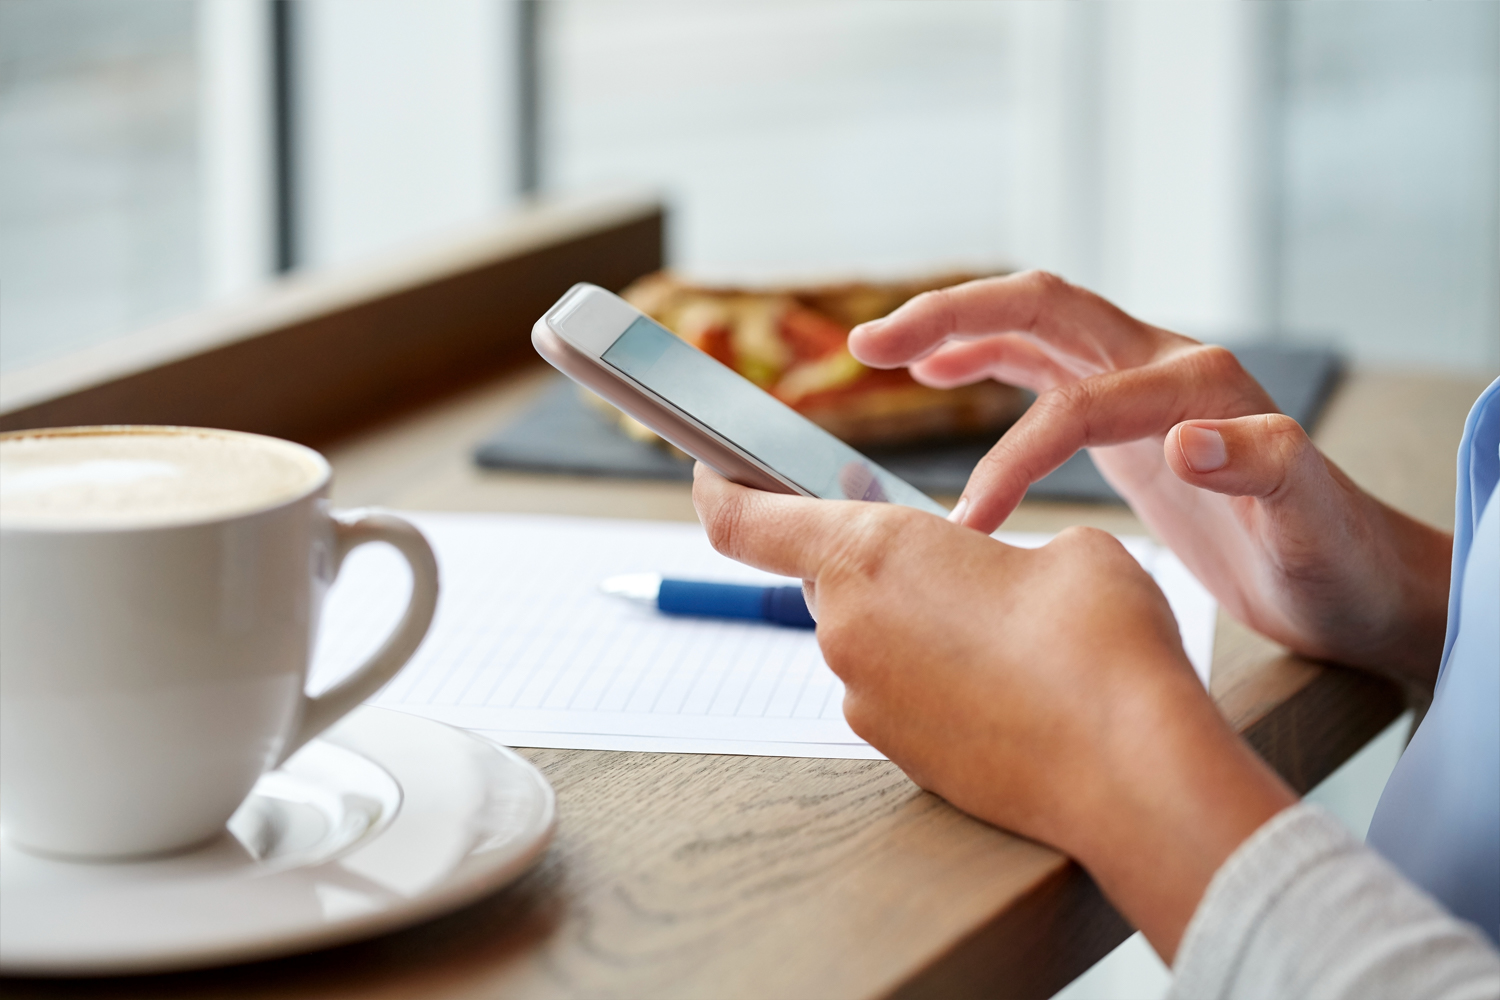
[(559, 433)]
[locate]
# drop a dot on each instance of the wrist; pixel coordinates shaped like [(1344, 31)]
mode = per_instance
[(1425, 556), (1395, 623), (1177, 794)]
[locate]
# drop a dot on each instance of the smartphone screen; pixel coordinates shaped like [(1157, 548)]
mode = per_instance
[(757, 422)]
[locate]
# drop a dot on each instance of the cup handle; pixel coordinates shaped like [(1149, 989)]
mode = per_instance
[(352, 529)]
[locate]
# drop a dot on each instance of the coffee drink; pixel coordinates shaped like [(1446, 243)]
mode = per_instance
[(160, 589), (133, 476)]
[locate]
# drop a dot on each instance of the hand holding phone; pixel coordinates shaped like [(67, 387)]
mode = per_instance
[(705, 408)]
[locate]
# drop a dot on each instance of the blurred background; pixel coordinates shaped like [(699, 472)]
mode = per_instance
[(1304, 171), (1322, 173)]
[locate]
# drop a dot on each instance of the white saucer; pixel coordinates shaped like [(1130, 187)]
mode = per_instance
[(384, 820)]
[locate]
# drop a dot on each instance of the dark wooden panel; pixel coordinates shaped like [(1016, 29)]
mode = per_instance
[(1306, 737), (1033, 949), (320, 376)]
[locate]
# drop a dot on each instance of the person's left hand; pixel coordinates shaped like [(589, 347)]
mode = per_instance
[(1044, 690), (1287, 542)]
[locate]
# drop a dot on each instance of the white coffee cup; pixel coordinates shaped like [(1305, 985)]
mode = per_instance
[(160, 589)]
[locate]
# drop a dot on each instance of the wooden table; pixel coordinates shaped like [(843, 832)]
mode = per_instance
[(718, 876)]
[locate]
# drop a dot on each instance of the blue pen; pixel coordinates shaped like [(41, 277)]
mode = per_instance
[(781, 605)]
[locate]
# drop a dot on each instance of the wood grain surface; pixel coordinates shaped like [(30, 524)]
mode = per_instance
[(720, 876)]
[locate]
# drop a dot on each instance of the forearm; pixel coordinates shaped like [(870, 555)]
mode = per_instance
[(1303, 909), (1178, 795)]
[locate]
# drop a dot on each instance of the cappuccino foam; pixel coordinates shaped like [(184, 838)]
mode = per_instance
[(120, 477)]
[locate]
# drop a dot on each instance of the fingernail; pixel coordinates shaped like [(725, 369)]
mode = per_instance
[(1202, 448), (956, 515)]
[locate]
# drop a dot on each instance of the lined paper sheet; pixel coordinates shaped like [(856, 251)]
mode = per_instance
[(525, 648)]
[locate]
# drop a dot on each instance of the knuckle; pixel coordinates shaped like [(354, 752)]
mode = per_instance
[(858, 713), (940, 305), (1279, 425), (1069, 402), (832, 632), (1058, 414), (1047, 290), (1211, 364), (837, 637), (1216, 366), (874, 533), (725, 526), (1089, 551), (1044, 284), (1082, 536), (1003, 467), (1284, 436), (993, 464), (998, 474), (1216, 363), (853, 596)]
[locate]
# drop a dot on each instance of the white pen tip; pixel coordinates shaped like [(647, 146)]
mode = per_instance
[(641, 587)]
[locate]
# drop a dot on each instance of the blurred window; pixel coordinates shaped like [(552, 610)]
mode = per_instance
[(140, 142), (1236, 170), (843, 136), (405, 121), (99, 179), (1391, 146)]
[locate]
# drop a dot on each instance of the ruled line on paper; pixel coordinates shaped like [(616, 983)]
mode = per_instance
[(524, 642)]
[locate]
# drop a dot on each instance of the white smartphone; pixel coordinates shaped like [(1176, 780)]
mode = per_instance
[(705, 408)]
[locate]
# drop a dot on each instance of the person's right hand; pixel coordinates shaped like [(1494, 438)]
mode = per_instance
[(1286, 541), (1043, 690)]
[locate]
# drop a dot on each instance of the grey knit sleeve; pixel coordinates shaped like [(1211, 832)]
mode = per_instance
[(1302, 909)]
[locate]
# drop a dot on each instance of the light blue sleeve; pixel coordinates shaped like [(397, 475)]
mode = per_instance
[(1439, 818)]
